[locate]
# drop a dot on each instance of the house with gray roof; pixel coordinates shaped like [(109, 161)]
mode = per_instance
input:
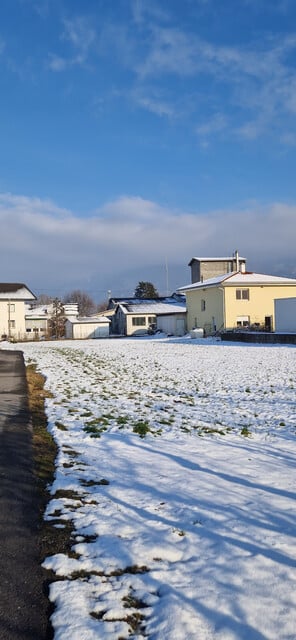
[(139, 316)]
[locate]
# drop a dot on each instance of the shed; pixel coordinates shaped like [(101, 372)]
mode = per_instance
[(89, 327)]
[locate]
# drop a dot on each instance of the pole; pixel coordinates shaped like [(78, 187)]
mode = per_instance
[(167, 276)]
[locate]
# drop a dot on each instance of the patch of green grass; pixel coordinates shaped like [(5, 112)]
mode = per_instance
[(94, 431), (141, 427), (122, 420), (245, 431)]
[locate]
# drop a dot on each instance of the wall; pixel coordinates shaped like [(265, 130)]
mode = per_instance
[(87, 330), (285, 315), (17, 316), (174, 325), (260, 304), (212, 316), (203, 270), (36, 327), (132, 330)]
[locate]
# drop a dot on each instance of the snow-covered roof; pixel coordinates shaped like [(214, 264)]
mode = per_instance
[(154, 307), (217, 259), (41, 311), (238, 278), (89, 320), (15, 291)]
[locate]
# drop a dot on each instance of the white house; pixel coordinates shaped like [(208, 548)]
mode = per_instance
[(13, 297)]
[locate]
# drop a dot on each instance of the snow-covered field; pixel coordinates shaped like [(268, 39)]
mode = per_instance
[(177, 469)]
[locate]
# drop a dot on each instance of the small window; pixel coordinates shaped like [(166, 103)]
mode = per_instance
[(203, 305), (139, 322), (242, 294), (28, 330), (12, 324), (12, 307)]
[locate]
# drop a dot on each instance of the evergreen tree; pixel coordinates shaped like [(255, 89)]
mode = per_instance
[(146, 290)]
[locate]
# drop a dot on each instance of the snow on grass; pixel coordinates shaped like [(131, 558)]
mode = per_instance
[(176, 468)]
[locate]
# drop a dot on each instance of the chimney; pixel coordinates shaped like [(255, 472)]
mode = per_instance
[(236, 260)]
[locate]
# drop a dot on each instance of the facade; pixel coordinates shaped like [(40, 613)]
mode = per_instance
[(172, 324), (236, 300), (85, 328), (285, 315), (13, 297), (37, 319), (136, 316), (205, 268)]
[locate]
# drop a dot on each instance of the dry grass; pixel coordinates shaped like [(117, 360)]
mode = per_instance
[(51, 539), (44, 447)]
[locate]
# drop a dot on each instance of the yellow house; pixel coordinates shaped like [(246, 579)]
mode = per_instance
[(235, 300)]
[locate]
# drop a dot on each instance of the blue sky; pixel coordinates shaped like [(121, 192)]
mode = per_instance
[(136, 133)]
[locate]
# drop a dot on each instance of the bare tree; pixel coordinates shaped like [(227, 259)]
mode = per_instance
[(86, 305), (102, 306), (43, 299)]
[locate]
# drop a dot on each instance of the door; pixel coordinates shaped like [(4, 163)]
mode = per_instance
[(268, 323)]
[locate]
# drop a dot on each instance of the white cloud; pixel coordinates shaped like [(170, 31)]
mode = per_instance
[(50, 248), (258, 81), (81, 36), (152, 100), (143, 9), (213, 125)]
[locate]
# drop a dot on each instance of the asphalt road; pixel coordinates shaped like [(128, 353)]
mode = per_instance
[(23, 605)]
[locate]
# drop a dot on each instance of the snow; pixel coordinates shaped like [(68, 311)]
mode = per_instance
[(188, 532), (239, 278)]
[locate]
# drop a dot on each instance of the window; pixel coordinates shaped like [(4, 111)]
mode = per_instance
[(242, 294), (203, 305), (242, 321), (139, 322), (12, 308), (151, 319), (12, 324), (28, 330)]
